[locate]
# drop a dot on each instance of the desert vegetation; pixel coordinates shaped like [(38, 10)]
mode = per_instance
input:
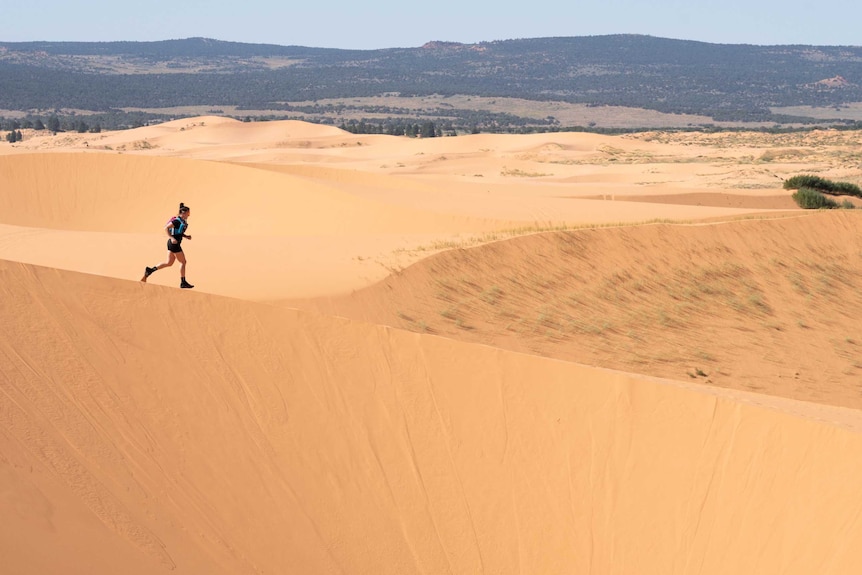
[(811, 192)]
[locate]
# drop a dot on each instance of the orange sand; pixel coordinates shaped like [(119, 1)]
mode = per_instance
[(396, 356)]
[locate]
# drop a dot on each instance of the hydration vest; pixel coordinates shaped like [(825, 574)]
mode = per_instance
[(179, 227)]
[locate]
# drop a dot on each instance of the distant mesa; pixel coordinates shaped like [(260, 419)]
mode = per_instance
[(438, 45), (832, 83)]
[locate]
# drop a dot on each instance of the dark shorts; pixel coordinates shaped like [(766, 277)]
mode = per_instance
[(175, 247)]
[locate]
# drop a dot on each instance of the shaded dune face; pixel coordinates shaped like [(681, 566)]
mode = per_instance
[(284, 440)]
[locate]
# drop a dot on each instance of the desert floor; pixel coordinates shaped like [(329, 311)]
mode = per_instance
[(549, 353)]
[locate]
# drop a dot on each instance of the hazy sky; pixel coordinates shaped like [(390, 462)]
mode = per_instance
[(402, 23)]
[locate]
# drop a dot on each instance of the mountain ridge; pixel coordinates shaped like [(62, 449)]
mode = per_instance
[(723, 82)]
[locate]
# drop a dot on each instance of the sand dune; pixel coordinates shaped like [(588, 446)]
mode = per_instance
[(410, 371), (126, 193), (765, 305), (147, 429), (272, 231), (257, 233)]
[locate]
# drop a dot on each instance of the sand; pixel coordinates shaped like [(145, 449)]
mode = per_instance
[(548, 353)]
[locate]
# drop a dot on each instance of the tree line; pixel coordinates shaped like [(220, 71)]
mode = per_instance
[(53, 124), (412, 130)]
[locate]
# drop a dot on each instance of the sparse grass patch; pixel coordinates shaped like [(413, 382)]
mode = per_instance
[(610, 150), (704, 356), (783, 154), (664, 319), (506, 313), (825, 283), (540, 227), (449, 313), (446, 244), (403, 316), (735, 303), (797, 282), (756, 301), (143, 145), (574, 300), (444, 295), (466, 281), (546, 319), (515, 172), (540, 284), (491, 295), (587, 328), (676, 299)]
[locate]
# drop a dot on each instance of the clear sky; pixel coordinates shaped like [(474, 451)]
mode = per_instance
[(372, 24)]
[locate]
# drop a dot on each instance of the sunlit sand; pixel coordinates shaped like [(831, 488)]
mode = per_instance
[(547, 353)]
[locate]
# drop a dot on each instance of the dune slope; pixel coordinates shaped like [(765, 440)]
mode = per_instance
[(290, 210), (133, 193), (146, 429), (762, 305), (257, 234)]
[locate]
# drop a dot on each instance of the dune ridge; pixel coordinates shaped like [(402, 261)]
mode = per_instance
[(287, 439)]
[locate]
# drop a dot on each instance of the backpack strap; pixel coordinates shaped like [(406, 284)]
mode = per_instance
[(176, 227)]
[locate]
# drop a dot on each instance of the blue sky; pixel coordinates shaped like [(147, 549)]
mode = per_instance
[(398, 23)]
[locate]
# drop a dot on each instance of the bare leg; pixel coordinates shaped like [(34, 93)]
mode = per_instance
[(182, 258), (171, 257), (168, 263)]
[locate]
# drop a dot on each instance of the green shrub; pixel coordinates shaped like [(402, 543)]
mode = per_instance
[(822, 185), (810, 199), (847, 189), (805, 181)]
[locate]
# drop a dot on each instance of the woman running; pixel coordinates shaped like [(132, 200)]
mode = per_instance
[(175, 228)]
